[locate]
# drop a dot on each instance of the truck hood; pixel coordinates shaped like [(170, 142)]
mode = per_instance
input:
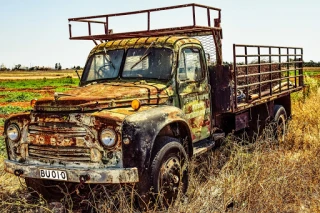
[(106, 95)]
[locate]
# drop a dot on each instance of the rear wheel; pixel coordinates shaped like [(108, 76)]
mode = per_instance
[(280, 119)]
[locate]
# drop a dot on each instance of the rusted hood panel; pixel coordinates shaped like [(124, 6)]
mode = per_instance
[(119, 114), (119, 90), (106, 95)]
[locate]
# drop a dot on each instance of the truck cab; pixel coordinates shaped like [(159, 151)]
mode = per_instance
[(132, 93)]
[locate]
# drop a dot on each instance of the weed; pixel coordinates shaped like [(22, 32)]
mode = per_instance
[(2, 121), (6, 110), (2, 146), (18, 96), (62, 89), (38, 84)]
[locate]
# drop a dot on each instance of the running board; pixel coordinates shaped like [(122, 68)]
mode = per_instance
[(206, 145)]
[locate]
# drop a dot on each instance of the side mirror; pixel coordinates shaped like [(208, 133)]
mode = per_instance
[(78, 74), (207, 57)]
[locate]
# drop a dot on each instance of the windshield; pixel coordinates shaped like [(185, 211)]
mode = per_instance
[(148, 63), (104, 65)]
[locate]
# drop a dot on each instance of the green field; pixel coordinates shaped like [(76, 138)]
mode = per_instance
[(12, 91), (311, 71), (39, 83)]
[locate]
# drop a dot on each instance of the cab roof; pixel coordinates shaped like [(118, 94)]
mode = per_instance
[(172, 42)]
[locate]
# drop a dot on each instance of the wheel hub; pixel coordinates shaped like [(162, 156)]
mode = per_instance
[(170, 175)]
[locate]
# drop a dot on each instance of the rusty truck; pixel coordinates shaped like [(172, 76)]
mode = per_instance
[(148, 101)]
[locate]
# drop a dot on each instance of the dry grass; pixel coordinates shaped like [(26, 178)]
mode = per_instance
[(312, 68), (237, 177)]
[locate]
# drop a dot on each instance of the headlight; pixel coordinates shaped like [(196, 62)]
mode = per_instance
[(108, 137), (13, 132)]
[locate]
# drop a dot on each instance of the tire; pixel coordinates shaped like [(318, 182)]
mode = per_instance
[(280, 120), (169, 171), (49, 189)]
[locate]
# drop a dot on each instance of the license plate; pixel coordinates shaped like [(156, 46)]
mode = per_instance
[(53, 174)]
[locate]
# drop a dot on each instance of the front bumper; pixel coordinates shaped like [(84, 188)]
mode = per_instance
[(104, 175)]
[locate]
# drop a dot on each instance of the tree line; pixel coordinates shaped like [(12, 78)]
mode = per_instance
[(41, 68), (311, 64)]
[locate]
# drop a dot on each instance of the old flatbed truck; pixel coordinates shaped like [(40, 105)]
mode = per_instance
[(148, 101)]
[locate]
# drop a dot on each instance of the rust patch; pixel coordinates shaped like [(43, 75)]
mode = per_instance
[(118, 91)]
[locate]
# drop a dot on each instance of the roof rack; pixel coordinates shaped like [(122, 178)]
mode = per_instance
[(193, 30)]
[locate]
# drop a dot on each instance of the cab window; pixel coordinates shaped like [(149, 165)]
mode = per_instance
[(190, 68)]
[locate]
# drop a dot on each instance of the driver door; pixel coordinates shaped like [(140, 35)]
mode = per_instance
[(194, 93)]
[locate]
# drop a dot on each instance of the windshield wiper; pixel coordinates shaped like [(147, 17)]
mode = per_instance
[(107, 59), (141, 59), (109, 62), (145, 54)]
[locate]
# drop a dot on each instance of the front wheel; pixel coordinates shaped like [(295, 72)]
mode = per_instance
[(169, 172)]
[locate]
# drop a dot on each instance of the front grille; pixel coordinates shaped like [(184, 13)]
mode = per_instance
[(66, 129), (59, 153)]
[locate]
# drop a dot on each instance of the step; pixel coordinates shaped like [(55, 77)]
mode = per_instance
[(206, 145)]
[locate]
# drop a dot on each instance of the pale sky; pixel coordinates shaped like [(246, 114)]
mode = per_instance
[(35, 32)]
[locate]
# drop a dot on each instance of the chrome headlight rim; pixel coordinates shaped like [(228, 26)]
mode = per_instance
[(108, 137), (13, 132)]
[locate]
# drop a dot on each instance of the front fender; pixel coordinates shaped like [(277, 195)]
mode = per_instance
[(142, 129), (20, 119)]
